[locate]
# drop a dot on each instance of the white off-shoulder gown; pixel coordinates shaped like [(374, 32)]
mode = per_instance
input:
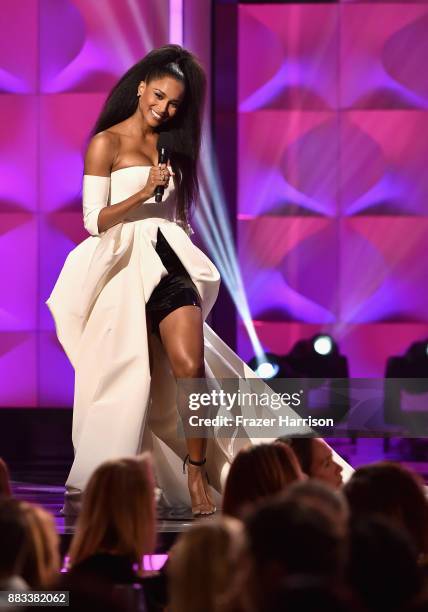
[(98, 305)]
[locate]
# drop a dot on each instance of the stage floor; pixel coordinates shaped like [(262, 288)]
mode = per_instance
[(51, 498)]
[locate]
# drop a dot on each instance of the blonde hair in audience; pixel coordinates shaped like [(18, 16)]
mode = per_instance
[(203, 564), (118, 511), (41, 561)]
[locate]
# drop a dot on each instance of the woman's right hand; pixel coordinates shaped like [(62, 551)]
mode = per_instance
[(158, 175)]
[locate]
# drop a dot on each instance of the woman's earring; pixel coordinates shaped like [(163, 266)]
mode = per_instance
[(138, 94)]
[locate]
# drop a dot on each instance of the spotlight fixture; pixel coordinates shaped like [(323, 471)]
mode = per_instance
[(325, 370), (323, 345), (267, 367), (406, 389), (317, 357), (315, 366), (267, 370)]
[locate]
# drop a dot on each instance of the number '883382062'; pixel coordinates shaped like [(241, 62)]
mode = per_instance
[(34, 598)]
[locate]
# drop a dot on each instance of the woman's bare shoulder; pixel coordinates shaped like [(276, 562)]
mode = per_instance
[(101, 153)]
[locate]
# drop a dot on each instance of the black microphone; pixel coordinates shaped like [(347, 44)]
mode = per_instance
[(164, 147)]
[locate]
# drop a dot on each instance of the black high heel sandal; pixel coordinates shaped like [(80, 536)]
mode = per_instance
[(200, 464), (197, 463)]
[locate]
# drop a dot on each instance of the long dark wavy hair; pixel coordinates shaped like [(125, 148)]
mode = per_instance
[(184, 127)]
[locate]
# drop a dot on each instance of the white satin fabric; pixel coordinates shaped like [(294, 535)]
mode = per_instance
[(98, 305)]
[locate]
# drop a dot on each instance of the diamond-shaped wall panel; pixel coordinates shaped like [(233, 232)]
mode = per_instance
[(383, 271), (383, 54), (289, 267), (288, 163), (18, 153), (383, 162), (288, 57)]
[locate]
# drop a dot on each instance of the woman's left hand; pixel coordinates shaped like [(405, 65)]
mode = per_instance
[(165, 173)]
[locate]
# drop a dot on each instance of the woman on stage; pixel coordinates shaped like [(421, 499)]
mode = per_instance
[(131, 300)]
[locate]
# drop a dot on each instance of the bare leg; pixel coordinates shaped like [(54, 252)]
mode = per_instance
[(182, 337), (149, 341)]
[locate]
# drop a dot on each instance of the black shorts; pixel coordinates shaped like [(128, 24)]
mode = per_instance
[(174, 290)]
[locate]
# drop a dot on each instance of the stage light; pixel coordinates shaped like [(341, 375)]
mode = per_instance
[(317, 357), (267, 370), (214, 226), (323, 345), (118, 37), (406, 389), (324, 371), (267, 367)]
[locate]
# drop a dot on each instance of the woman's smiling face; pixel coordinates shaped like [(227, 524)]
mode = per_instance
[(160, 99)]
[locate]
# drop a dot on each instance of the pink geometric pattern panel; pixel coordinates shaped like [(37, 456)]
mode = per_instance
[(280, 72), (383, 273), (290, 164), (383, 162), (383, 68), (332, 181), (279, 257)]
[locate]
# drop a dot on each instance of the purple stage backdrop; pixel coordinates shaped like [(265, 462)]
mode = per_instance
[(333, 191), (333, 188)]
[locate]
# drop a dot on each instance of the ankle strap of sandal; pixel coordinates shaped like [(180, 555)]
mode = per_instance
[(197, 463)]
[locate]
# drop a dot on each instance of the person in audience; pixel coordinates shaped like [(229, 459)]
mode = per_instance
[(383, 568), (41, 561), (301, 593), (203, 564), (316, 459), (5, 488), (392, 491), (13, 535), (322, 497), (116, 526), (258, 472), (287, 538)]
